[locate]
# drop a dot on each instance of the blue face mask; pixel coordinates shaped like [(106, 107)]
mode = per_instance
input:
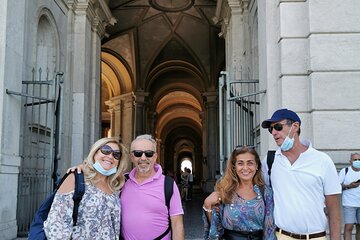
[(288, 142), (356, 164), (102, 171)]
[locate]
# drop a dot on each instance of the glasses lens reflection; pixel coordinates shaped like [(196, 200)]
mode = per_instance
[(139, 153)]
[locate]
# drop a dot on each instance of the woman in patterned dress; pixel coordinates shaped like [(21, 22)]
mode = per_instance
[(99, 210), (242, 205)]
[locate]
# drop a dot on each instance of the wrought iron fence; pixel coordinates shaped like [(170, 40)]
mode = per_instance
[(40, 98), (238, 114)]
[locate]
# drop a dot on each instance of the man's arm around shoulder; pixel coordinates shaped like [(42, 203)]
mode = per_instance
[(177, 227)]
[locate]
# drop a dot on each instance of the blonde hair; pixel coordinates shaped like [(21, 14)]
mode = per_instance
[(115, 181), (227, 186)]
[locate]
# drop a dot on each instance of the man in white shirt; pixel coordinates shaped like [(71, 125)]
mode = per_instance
[(302, 179), (350, 181)]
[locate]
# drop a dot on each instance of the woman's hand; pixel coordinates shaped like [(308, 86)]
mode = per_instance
[(78, 167), (212, 200)]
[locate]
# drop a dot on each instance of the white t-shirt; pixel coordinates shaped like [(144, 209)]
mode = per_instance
[(350, 197), (299, 190)]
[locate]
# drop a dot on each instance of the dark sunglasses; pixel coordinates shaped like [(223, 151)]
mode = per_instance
[(107, 150), (277, 127), (241, 147), (139, 153)]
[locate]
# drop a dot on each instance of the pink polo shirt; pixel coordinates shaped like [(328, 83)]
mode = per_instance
[(144, 214)]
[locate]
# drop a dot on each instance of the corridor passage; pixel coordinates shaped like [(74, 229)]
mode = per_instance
[(193, 216)]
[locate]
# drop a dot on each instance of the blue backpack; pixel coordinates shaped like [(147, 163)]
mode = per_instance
[(36, 228)]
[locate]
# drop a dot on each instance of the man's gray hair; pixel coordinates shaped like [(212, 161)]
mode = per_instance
[(145, 137), (353, 154)]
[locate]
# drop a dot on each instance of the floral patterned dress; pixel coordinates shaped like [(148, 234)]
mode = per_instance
[(98, 217), (243, 215)]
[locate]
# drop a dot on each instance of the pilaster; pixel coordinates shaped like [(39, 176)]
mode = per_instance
[(121, 109), (87, 20), (12, 48), (140, 112), (211, 136)]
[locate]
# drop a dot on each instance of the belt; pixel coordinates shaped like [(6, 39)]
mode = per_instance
[(301, 236), (234, 235)]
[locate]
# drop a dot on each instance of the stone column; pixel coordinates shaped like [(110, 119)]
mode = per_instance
[(12, 51), (237, 38), (121, 109), (86, 22), (211, 139), (140, 112)]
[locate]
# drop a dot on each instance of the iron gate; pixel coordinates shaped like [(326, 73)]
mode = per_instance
[(38, 148), (239, 122)]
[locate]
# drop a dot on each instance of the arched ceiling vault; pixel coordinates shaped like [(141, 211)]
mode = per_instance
[(177, 98), (176, 70), (115, 74), (158, 32), (186, 123)]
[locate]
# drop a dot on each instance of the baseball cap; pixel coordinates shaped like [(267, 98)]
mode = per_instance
[(280, 115)]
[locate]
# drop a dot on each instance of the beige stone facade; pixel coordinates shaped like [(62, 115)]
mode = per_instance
[(124, 68)]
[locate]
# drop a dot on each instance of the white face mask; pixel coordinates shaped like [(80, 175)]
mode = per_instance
[(288, 142), (102, 171), (356, 164)]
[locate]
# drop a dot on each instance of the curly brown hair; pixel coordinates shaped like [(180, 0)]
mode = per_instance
[(227, 186)]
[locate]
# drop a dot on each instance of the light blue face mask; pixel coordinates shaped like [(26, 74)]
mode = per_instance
[(356, 164), (288, 142), (102, 171)]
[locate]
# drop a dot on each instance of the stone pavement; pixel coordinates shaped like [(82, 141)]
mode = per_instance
[(193, 217)]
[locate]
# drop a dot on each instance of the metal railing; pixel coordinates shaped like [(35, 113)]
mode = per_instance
[(239, 122), (41, 105)]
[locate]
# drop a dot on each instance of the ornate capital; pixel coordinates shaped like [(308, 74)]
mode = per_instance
[(238, 6), (97, 11)]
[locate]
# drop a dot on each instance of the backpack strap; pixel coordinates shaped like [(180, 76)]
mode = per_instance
[(126, 176), (346, 170), (78, 194), (168, 190), (270, 160)]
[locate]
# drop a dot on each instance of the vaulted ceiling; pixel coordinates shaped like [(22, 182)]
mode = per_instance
[(172, 52), (149, 33)]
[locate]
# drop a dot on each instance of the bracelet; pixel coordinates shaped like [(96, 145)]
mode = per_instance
[(206, 210)]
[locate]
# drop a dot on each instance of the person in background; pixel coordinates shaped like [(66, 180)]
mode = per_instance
[(99, 209), (184, 184), (349, 178), (144, 214), (302, 179), (190, 184), (245, 203)]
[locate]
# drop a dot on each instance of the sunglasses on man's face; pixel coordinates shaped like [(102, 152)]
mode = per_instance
[(107, 150), (139, 153), (277, 127)]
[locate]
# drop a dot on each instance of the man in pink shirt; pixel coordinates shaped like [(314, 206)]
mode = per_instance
[(144, 214)]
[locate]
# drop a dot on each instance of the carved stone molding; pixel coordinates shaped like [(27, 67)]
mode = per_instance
[(97, 11), (171, 5), (226, 8)]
